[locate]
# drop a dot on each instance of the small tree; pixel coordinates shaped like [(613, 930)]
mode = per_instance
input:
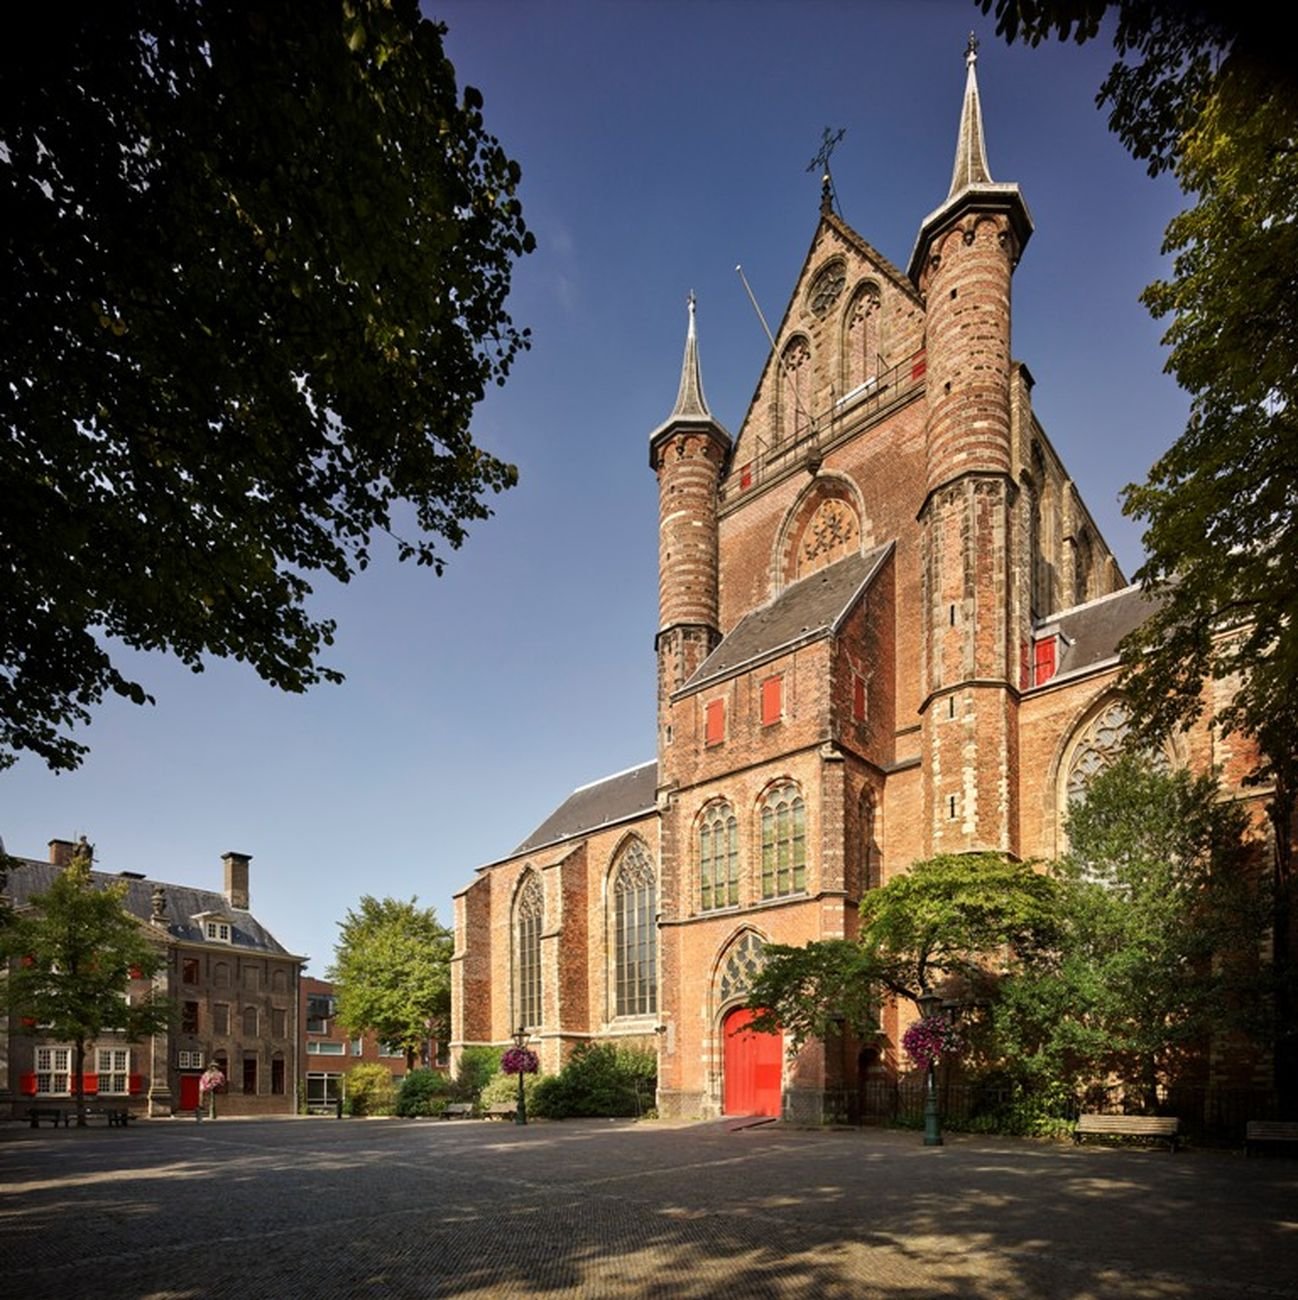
[(370, 1090), (393, 974), (77, 949), (951, 920)]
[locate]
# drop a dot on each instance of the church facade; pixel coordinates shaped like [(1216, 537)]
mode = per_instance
[(888, 629)]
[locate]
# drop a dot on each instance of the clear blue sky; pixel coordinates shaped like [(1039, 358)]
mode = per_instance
[(661, 143)]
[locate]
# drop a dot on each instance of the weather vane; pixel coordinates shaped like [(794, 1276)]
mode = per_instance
[(829, 141)]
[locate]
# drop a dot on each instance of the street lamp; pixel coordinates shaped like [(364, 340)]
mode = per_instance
[(520, 1041), (929, 1004)]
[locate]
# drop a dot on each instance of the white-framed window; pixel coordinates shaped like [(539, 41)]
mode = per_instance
[(189, 1060), (317, 1048), (113, 1065), (53, 1071), (358, 1046), (392, 1049), (217, 931)]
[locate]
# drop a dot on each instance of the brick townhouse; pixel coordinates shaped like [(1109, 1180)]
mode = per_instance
[(888, 629), (234, 988)]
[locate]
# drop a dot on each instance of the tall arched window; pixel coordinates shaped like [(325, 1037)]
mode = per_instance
[(529, 911), (795, 390), (718, 858), (1103, 741), (861, 339), (1082, 565), (784, 842), (635, 932)]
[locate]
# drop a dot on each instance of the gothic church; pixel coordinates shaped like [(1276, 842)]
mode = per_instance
[(888, 629)]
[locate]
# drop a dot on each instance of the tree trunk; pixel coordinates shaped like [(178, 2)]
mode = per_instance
[(79, 1084), (1285, 1039)]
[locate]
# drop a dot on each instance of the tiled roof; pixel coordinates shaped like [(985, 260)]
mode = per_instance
[(1093, 630), (589, 807), (28, 876), (802, 612)]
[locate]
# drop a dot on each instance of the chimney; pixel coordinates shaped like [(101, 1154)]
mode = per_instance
[(61, 853), (236, 879)]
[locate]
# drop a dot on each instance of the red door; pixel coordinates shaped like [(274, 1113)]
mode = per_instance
[(753, 1067), (189, 1092)]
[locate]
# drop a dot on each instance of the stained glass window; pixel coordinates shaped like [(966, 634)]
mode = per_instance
[(635, 932), (784, 842)]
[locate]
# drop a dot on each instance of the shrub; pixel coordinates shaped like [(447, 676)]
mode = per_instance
[(600, 1080), (423, 1092), (504, 1088), (370, 1091), (478, 1066)]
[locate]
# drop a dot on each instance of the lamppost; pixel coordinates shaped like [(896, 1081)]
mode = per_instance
[(520, 1041), (929, 1004)]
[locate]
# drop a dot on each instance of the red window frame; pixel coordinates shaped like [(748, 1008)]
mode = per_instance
[(714, 726), (772, 700)]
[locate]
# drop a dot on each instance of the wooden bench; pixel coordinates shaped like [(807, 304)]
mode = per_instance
[(117, 1116), (1160, 1127), (501, 1110), (458, 1110), (55, 1114), (1269, 1130)]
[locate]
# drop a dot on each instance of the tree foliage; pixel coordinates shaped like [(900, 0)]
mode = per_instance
[(953, 924), (1162, 908), (392, 971), (75, 951), (254, 268)]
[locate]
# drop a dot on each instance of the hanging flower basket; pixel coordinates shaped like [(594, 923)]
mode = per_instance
[(930, 1039), (520, 1060), (211, 1080)]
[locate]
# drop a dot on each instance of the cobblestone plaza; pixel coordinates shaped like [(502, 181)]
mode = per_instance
[(321, 1208)]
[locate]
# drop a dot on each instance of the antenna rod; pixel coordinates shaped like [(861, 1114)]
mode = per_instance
[(769, 338)]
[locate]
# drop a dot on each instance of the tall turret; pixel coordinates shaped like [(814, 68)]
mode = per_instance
[(962, 263), (687, 452)]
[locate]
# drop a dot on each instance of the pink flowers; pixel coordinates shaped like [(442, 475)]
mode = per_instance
[(520, 1060), (211, 1080), (930, 1039)]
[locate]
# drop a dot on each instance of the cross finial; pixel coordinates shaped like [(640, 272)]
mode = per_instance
[(829, 141), (971, 51)]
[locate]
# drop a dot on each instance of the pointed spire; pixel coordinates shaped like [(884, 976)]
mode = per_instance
[(970, 150), (690, 402)]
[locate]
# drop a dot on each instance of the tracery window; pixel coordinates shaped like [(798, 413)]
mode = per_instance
[(529, 911), (861, 340), (795, 390), (718, 858), (784, 842), (1102, 742), (743, 962), (635, 932)]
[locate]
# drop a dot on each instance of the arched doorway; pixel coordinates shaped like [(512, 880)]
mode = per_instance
[(753, 1067)]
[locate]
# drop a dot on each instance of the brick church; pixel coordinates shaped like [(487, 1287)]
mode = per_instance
[(888, 629)]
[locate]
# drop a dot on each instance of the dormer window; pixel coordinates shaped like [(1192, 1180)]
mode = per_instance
[(215, 928), (218, 930)]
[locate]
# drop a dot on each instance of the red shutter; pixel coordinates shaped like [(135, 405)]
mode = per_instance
[(136, 1084), (1044, 666), (715, 729), (27, 1084), (89, 1084), (858, 698), (28, 1022), (746, 477), (772, 700), (136, 973), (918, 368)]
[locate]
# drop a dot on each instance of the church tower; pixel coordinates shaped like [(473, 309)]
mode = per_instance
[(962, 263), (688, 452)]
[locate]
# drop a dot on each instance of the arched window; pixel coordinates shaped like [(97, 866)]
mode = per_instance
[(784, 842), (718, 858), (250, 1022), (861, 339), (635, 932), (795, 390), (1103, 741), (741, 967), (529, 911), (1082, 565)]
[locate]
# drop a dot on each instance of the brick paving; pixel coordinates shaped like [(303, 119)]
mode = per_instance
[(321, 1208)]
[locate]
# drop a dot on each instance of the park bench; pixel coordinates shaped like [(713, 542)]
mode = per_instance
[(1160, 1127), (458, 1110), (1269, 1130), (55, 1114), (117, 1116), (501, 1110)]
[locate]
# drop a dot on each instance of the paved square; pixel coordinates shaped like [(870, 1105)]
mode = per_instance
[(322, 1208)]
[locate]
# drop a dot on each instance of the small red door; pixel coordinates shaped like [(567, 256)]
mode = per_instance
[(753, 1067), (189, 1092)]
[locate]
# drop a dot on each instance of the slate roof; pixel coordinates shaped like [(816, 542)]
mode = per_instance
[(27, 876), (802, 612), (1094, 629), (589, 807)]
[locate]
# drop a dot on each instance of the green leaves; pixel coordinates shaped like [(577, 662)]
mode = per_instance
[(225, 373), (392, 971)]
